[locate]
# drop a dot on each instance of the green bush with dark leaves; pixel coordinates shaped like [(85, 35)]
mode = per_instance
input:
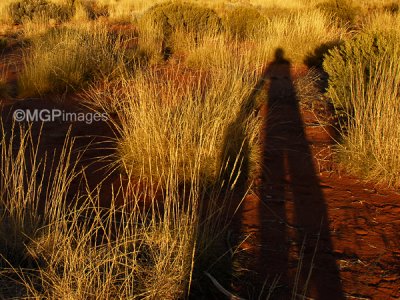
[(33, 9)]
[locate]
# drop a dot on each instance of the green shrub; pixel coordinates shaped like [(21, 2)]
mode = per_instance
[(365, 51), (32, 9), (241, 22), (364, 81), (167, 18), (343, 10), (184, 16)]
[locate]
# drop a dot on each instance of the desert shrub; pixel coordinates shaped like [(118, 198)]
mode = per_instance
[(364, 51), (184, 16), (189, 18), (32, 9), (343, 10), (241, 22), (364, 84)]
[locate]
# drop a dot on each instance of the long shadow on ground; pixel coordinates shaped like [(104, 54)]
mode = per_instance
[(290, 245)]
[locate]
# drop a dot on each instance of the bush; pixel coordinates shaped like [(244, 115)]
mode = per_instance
[(343, 10), (190, 18), (184, 16), (364, 81), (32, 9), (241, 22), (364, 51)]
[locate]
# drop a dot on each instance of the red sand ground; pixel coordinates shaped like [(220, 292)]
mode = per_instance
[(350, 229)]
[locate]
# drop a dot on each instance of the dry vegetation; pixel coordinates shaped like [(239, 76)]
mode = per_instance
[(179, 83)]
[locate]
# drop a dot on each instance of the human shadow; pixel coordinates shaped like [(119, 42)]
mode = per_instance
[(293, 241), (226, 193)]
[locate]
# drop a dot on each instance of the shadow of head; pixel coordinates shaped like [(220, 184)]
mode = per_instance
[(280, 56)]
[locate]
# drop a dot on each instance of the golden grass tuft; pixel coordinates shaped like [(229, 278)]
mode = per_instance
[(67, 58)]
